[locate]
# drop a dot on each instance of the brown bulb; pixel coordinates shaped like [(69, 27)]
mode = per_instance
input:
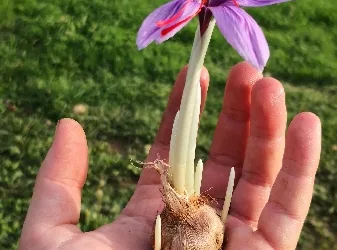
[(188, 223)]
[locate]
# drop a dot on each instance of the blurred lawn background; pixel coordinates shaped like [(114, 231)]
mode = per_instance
[(57, 54)]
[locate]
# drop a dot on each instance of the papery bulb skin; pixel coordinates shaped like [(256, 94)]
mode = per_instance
[(188, 223)]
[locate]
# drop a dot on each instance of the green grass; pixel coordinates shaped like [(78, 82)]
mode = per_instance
[(56, 54)]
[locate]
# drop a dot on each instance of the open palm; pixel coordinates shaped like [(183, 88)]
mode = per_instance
[(274, 174)]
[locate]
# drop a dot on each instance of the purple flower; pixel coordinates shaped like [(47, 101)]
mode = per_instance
[(239, 28)]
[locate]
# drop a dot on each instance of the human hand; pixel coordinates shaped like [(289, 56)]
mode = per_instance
[(274, 174)]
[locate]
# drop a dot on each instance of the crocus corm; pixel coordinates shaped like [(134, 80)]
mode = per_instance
[(236, 25)]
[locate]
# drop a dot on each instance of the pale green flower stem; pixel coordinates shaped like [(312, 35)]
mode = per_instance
[(184, 134), (185, 178)]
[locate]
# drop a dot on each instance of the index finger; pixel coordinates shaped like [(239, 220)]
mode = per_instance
[(231, 133)]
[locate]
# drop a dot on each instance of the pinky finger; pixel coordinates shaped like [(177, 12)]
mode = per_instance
[(282, 219)]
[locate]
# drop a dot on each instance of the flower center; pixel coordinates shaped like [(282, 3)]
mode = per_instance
[(180, 12)]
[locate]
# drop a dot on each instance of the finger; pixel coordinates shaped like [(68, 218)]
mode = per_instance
[(264, 153), (230, 136), (283, 217), (161, 144), (57, 193)]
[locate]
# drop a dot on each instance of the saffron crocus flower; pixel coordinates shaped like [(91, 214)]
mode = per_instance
[(236, 25)]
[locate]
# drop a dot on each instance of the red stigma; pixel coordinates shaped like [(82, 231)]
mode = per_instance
[(176, 16), (173, 18), (169, 29), (235, 3)]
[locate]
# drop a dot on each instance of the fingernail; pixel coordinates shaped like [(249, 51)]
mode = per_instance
[(50, 151), (57, 126), (56, 131)]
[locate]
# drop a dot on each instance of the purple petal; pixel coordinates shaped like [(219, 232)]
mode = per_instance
[(189, 12), (259, 3), (150, 31), (243, 33)]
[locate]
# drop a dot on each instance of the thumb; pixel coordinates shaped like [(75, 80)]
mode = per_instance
[(57, 193)]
